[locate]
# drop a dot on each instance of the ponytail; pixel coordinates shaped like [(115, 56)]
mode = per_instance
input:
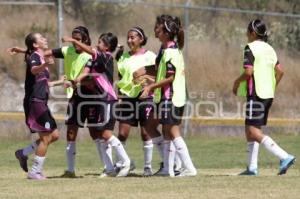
[(172, 26), (29, 41), (119, 53), (180, 33)]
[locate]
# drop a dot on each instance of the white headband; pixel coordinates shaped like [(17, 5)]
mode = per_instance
[(138, 31), (256, 31), (166, 25)]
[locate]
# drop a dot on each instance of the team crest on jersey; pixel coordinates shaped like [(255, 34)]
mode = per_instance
[(47, 125)]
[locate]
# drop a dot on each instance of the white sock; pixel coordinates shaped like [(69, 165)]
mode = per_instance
[(98, 147), (71, 153), (38, 163), (177, 162), (253, 148), (30, 148), (183, 153), (120, 151), (159, 143), (106, 155), (169, 155), (272, 147), (148, 150)]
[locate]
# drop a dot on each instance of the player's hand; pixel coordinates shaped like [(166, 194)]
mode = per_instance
[(15, 50), (68, 84), (67, 39), (63, 78), (235, 87), (145, 92), (140, 72), (49, 60)]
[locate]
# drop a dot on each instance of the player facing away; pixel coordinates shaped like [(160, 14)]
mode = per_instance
[(103, 100), (37, 114), (133, 111), (170, 95), (261, 75)]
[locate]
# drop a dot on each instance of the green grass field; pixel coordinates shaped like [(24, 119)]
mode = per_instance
[(218, 160)]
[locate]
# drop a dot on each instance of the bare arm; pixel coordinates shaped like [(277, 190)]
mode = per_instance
[(245, 76), (84, 47), (159, 84), (84, 74), (15, 50), (57, 82), (278, 73), (40, 68)]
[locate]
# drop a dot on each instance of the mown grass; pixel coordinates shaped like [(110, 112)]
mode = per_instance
[(218, 160)]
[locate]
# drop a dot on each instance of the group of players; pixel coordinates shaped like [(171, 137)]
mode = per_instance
[(151, 91)]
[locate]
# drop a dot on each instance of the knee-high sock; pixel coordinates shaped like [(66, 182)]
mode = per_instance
[(71, 153), (272, 147), (169, 155), (253, 148), (30, 148), (106, 154), (183, 153), (148, 151), (38, 163), (159, 143), (120, 151)]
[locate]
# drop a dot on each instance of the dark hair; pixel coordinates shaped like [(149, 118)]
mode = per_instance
[(259, 28), (172, 26), (161, 19), (30, 39), (141, 34), (110, 40), (84, 32)]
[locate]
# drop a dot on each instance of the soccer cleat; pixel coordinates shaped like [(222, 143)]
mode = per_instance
[(132, 165), (285, 164), (105, 174), (124, 170), (68, 174), (119, 165), (249, 172), (147, 172), (36, 176), (188, 173), (164, 173), (22, 159), (161, 166)]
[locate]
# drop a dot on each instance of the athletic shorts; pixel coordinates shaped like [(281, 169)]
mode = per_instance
[(134, 112), (257, 110), (99, 115), (90, 112), (38, 117), (169, 114)]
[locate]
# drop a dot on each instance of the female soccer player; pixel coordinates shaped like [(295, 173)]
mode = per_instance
[(74, 61), (133, 111), (170, 93), (37, 114), (262, 73), (102, 115)]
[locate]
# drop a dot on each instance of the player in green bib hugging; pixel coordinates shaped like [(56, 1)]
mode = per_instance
[(170, 95), (132, 110), (261, 75)]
